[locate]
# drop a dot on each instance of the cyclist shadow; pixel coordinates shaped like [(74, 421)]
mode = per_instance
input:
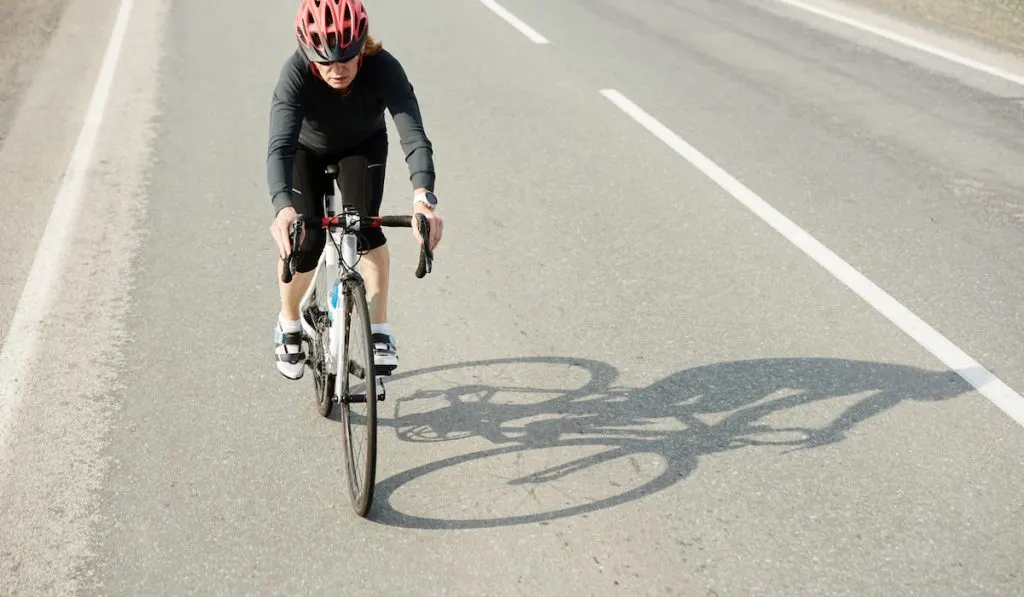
[(541, 437)]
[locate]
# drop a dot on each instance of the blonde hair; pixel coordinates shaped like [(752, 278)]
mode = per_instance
[(372, 46)]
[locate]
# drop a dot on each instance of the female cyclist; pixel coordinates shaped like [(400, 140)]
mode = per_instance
[(328, 107)]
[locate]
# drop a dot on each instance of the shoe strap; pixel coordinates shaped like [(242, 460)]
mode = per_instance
[(288, 338), (382, 341), (292, 358)]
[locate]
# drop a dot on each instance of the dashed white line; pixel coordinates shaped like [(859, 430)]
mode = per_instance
[(23, 334), (1000, 394), (907, 41), (511, 19)]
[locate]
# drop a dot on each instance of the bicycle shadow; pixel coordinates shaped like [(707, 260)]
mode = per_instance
[(634, 441)]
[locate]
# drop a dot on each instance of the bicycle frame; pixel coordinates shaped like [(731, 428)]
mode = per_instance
[(336, 268)]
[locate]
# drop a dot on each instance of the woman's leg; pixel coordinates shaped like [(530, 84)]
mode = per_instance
[(362, 185), (307, 198)]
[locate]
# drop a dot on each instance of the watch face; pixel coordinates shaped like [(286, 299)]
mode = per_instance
[(431, 198)]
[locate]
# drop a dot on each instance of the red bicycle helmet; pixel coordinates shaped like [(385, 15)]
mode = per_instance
[(331, 30)]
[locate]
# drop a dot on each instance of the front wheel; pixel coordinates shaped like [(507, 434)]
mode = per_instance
[(358, 396)]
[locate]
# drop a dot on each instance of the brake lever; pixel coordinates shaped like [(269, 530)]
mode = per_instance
[(288, 271), (426, 255)]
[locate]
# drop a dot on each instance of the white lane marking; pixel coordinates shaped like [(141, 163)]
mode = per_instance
[(1000, 394), (909, 42), (23, 335), (522, 27)]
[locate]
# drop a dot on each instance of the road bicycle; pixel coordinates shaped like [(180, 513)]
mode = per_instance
[(336, 331)]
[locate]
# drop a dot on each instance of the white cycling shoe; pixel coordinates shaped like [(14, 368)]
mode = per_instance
[(291, 360), (385, 355)]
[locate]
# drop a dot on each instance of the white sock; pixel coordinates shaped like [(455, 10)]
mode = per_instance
[(380, 328), (288, 326)]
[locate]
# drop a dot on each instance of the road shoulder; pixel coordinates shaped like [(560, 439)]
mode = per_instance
[(26, 27), (998, 24), (53, 462)]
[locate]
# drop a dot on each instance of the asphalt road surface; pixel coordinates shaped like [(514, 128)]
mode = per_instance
[(626, 375)]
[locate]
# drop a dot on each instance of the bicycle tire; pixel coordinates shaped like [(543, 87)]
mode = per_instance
[(318, 316), (360, 475), (323, 380)]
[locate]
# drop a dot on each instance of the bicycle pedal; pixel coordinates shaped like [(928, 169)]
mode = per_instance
[(384, 369)]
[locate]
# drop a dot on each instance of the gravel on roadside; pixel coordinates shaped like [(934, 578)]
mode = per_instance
[(998, 23), (25, 30)]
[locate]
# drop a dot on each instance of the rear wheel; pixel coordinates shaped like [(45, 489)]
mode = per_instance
[(358, 397), (323, 374), (324, 371)]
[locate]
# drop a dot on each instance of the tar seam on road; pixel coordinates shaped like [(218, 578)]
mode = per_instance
[(511, 19), (1000, 394), (23, 335), (909, 42)]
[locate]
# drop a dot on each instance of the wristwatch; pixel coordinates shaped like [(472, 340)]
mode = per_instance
[(429, 199)]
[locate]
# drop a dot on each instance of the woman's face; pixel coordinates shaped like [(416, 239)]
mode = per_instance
[(338, 75)]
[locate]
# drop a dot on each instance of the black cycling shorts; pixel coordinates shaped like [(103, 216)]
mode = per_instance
[(361, 180)]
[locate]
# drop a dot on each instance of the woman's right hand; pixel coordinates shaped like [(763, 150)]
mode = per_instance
[(281, 229)]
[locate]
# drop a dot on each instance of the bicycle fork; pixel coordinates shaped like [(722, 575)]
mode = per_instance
[(339, 305)]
